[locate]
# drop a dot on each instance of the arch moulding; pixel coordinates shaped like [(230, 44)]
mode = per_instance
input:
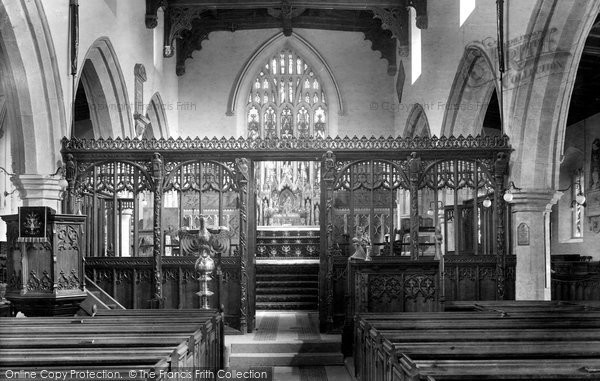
[(417, 123), (539, 103), (156, 113), (105, 87), (470, 94), (33, 87)]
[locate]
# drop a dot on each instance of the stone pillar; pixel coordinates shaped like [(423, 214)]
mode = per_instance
[(40, 190), (531, 242)]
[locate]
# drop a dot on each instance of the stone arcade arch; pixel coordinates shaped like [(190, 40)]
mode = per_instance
[(35, 112), (244, 80), (32, 87), (537, 102), (157, 116), (106, 91), (417, 123), (539, 105), (471, 91)]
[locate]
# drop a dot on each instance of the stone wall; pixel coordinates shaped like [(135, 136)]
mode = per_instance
[(578, 146), (122, 22), (359, 71)]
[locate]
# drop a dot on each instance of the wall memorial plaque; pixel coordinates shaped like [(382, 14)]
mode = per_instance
[(523, 234)]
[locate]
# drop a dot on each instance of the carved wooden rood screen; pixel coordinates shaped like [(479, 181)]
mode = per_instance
[(396, 196)]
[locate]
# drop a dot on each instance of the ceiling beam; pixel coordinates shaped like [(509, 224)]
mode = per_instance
[(182, 15), (354, 21)]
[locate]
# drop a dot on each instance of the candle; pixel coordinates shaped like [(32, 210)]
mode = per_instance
[(345, 224)]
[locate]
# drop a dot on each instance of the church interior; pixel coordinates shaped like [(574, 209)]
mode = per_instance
[(300, 190)]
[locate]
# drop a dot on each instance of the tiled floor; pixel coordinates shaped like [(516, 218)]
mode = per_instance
[(288, 329)]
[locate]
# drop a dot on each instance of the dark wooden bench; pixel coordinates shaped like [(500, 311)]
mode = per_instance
[(413, 346), (485, 311), (514, 369), (143, 340), (519, 306)]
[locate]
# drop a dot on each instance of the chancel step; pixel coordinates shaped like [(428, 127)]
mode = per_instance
[(247, 360), (287, 339), (305, 346), (287, 298), (289, 290), (285, 277), (289, 306), (287, 283), (287, 286)]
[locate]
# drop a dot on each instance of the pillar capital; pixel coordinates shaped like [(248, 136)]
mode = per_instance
[(40, 190), (534, 200)]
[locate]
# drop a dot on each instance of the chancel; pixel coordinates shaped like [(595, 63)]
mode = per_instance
[(300, 189)]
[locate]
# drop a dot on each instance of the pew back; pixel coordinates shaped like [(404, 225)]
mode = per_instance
[(145, 340)]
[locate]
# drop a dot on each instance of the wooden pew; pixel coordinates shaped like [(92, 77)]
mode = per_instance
[(522, 334), (520, 306), (475, 321), (475, 370), (143, 340), (385, 360)]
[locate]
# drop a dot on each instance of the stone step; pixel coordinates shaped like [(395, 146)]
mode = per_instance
[(287, 290), (292, 298), (308, 277), (246, 360), (286, 306), (287, 269), (305, 346), (286, 283)]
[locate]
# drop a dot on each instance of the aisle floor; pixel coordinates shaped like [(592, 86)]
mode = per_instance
[(293, 328)]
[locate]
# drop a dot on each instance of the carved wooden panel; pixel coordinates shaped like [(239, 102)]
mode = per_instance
[(474, 277), (576, 280), (129, 281), (394, 286)]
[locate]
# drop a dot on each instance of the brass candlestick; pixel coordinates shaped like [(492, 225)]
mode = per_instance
[(204, 266)]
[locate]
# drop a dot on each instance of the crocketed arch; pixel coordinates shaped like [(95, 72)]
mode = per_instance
[(238, 97)]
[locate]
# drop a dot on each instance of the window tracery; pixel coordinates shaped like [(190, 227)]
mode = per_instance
[(286, 100)]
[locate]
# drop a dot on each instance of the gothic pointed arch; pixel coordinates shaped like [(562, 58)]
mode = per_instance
[(157, 116), (31, 87), (417, 123), (330, 102), (538, 110), (287, 99), (106, 91), (470, 94)]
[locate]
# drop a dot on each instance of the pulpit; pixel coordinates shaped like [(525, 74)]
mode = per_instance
[(45, 274)]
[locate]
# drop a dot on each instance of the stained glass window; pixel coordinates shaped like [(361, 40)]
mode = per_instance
[(287, 100)]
